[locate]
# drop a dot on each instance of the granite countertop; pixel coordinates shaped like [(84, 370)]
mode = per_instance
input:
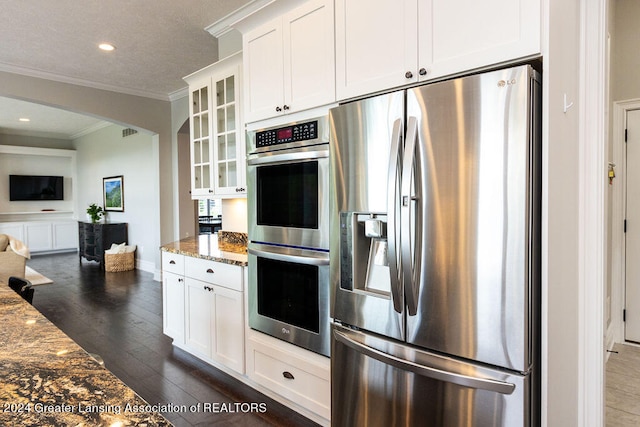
[(227, 247), (47, 379)]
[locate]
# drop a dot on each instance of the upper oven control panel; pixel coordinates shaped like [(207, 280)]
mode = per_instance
[(298, 135), (284, 135)]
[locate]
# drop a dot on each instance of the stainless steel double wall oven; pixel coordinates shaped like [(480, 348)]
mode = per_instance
[(288, 183)]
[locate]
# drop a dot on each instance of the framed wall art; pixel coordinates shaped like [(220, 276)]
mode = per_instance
[(113, 193)]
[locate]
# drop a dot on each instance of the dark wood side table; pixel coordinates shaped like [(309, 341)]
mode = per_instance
[(95, 238)]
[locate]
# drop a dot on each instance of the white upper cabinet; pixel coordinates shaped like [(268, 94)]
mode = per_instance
[(289, 62), (382, 44), (217, 145), (465, 34), (376, 45)]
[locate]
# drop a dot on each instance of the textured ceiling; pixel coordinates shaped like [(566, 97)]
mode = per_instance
[(157, 42)]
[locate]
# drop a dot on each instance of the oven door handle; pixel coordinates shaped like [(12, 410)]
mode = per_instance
[(288, 157), (298, 259)]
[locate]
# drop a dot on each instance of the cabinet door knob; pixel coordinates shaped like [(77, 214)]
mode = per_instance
[(240, 190), (278, 109), (210, 191), (286, 107), (408, 75), (209, 270), (423, 71), (288, 375), (180, 280)]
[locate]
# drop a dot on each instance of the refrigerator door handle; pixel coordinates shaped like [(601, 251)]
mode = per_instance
[(426, 371), (393, 232), (411, 261)]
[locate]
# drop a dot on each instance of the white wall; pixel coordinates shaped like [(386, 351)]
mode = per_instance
[(142, 113), (625, 57), (37, 164), (229, 43), (106, 153), (561, 234)]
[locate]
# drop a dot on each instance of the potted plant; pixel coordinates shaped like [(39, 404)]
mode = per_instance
[(95, 212)]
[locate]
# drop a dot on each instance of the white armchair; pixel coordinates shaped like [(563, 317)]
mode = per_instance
[(11, 263)]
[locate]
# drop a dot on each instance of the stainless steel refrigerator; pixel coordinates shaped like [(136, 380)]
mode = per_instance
[(435, 254)]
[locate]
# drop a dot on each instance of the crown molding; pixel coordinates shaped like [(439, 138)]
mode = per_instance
[(90, 129), (179, 94), (226, 24), (30, 72)]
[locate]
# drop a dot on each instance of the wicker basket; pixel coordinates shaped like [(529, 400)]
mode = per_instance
[(114, 263)]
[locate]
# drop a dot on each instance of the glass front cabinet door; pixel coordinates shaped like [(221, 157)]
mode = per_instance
[(217, 149)]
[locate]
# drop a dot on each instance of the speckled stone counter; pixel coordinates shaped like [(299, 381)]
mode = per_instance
[(46, 379), (226, 247)]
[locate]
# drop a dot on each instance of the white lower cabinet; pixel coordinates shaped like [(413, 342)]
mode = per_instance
[(65, 235), (173, 304), (214, 323), (38, 236), (203, 308), (173, 296), (204, 312), (301, 376)]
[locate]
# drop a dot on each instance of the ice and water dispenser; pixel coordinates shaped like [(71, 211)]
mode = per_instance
[(364, 262)]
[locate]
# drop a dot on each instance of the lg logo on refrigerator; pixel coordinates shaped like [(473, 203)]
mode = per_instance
[(286, 331), (503, 83)]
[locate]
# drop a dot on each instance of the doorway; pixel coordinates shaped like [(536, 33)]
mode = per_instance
[(631, 316), (624, 272)]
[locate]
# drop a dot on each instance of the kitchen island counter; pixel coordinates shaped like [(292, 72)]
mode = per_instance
[(48, 380), (225, 247)]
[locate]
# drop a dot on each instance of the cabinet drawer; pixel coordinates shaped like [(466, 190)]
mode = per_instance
[(216, 273), (173, 263), (292, 377)]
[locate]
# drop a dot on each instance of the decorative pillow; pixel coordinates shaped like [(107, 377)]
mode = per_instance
[(117, 248), (4, 242)]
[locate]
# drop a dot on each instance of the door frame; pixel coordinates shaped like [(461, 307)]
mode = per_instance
[(615, 331), (592, 214)]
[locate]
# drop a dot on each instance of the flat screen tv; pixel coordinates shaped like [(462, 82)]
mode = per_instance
[(35, 187)]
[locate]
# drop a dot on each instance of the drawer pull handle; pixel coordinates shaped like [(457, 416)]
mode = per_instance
[(172, 262), (288, 375), (209, 270)]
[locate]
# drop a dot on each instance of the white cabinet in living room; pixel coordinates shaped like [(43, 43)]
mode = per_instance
[(383, 44), (44, 236), (289, 62), (217, 145), (65, 235), (38, 236)]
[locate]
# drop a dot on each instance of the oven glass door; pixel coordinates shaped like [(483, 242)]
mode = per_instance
[(287, 195), (288, 292), (289, 295), (288, 198)]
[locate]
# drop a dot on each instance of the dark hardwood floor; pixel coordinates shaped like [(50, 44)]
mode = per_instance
[(119, 316)]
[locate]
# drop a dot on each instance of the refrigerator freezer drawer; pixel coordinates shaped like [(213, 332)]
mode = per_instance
[(377, 382)]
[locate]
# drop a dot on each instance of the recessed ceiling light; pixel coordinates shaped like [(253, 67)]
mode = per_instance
[(24, 119), (107, 47)]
